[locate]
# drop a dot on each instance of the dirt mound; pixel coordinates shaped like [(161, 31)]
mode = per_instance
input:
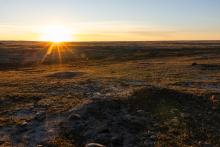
[(105, 122), (152, 116)]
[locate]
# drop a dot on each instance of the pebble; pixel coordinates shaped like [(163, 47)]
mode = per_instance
[(194, 64), (184, 115), (94, 145), (141, 112), (24, 123), (74, 117), (153, 137), (40, 116), (175, 120)]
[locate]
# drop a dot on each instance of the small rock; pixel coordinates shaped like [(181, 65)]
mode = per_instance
[(94, 145), (148, 133), (184, 115), (117, 139), (108, 94), (194, 64), (174, 110), (97, 93), (24, 123), (175, 120), (74, 117), (40, 116), (153, 137), (32, 107), (141, 112), (102, 129), (156, 124), (68, 96)]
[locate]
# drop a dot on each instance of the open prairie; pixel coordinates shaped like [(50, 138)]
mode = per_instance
[(112, 93)]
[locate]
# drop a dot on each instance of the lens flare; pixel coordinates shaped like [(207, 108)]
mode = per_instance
[(57, 50), (56, 34)]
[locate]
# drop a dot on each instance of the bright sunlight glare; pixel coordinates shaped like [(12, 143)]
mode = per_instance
[(56, 34)]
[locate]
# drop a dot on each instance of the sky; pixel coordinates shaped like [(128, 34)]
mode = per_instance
[(112, 20)]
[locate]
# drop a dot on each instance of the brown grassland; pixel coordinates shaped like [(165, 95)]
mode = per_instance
[(112, 93)]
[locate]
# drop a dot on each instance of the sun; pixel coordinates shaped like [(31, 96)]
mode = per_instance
[(56, 34)]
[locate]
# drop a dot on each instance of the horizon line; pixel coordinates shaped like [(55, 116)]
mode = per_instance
[(199, 40)]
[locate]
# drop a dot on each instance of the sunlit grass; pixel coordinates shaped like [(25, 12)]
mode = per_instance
[(58, 49)]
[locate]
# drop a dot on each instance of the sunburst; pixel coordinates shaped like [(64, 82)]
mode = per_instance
[(57, 50), (56, 34), (57, 38)]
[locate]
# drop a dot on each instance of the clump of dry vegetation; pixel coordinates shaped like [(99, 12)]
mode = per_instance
[(181, 119)]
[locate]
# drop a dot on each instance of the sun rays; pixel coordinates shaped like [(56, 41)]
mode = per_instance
[(57, 38), (56, 51)]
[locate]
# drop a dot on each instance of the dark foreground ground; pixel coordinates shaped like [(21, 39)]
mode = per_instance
[(117, 94)]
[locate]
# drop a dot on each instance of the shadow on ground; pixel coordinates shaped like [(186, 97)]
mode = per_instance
[(151, 116), (65, 75)]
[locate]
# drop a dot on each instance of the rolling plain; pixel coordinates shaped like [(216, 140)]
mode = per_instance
[(116, 94)]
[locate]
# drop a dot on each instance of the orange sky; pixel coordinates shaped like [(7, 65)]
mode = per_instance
[(113, 20)]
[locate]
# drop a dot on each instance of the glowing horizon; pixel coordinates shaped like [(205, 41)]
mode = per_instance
[(115, 20), (56, 34)]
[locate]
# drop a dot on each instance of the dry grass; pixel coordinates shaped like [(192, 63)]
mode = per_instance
[(35, 98)]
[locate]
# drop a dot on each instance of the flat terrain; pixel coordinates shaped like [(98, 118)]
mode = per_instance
[(112, 93)]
